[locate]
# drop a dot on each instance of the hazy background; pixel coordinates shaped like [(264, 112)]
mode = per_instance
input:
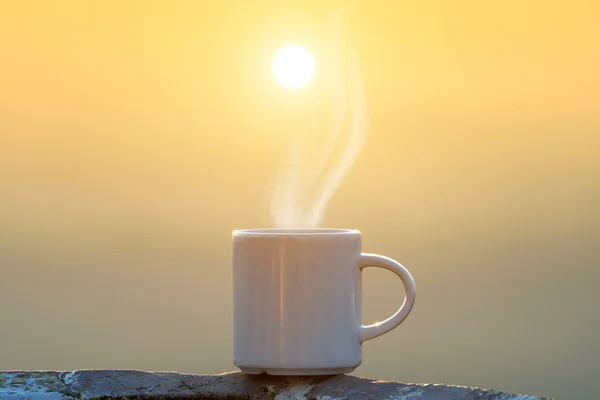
[(136, 135)]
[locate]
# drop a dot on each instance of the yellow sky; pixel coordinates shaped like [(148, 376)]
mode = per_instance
[(174, 105), (145, 126)]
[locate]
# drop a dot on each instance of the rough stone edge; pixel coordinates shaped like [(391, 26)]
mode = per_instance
[(133, 384), (47, 385)]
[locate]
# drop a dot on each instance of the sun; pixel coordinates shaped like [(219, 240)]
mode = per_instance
[(293, 66)]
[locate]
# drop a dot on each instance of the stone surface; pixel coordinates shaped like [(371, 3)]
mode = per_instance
[(127, 384)]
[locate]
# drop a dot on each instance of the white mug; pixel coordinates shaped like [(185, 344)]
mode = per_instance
[(297, 300)]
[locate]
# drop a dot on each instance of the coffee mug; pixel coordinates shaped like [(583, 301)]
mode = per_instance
[(297, 300)]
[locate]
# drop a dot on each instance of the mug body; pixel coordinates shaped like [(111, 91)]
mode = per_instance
[(296, 301)]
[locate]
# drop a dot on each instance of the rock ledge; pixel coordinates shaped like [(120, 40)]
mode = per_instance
[(130, 384)]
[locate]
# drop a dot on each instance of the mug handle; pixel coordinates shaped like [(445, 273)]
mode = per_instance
[(378, 329)]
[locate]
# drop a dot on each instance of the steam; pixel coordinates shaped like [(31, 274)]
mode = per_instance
[(318, 164)]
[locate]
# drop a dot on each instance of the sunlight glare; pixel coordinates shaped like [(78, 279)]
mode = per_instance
[(293, 66)]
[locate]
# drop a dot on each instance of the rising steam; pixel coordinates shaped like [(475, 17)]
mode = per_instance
[(316, 168)]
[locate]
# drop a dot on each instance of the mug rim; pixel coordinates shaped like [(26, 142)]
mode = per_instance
[(294, 231)]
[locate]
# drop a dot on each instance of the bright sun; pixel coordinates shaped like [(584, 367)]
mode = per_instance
[(293, 66)]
